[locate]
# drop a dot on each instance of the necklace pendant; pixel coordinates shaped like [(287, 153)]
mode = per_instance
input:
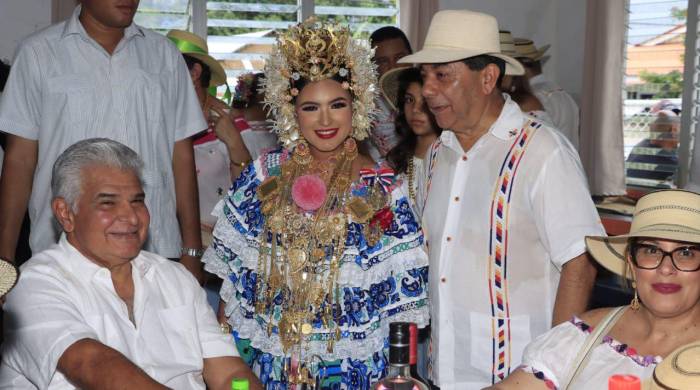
[(377, 198), (359, 209)]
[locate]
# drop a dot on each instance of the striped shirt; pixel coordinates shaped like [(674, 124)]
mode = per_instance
[(64, 87)]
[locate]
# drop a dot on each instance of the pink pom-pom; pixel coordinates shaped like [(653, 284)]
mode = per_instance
[(309, 192)]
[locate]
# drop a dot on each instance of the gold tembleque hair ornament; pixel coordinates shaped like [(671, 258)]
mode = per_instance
[(313, 51)]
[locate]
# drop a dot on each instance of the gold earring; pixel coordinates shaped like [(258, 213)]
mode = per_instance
[(302, 154), (634, 305)]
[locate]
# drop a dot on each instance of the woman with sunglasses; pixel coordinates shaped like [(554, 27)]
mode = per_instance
[(661, 258)]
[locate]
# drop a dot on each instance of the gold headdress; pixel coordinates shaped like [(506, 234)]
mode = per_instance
[(313, 51)]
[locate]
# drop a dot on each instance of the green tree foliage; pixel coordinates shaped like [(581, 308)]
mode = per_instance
[(679, 13), (671, 83)]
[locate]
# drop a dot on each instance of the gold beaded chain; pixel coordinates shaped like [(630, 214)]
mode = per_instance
[(303, 260), (410, 172)]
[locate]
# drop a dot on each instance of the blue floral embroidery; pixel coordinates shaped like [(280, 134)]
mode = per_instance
[(401, 291), (383, 293), (355, 374), (412, 285)]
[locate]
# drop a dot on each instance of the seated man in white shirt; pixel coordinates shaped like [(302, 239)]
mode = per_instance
[(95, 311)]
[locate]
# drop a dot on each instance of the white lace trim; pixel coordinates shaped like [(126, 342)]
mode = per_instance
[(346, 347)]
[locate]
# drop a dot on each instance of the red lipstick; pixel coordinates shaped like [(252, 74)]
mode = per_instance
[(666, 288), (326, 133)]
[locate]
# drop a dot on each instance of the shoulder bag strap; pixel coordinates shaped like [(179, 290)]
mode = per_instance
[(593, 339)]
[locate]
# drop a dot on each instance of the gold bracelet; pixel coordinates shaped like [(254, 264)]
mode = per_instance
[(241, 164)]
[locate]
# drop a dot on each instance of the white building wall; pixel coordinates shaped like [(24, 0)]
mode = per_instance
[(20, 18), (560, 23)]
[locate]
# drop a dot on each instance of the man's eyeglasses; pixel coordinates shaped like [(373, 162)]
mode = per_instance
[(648, 256)]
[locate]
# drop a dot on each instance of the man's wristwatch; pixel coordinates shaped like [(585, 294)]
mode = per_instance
[(191, 252), (224, 327)]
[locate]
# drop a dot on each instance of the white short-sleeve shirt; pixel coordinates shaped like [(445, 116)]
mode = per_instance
[(63, 297), (64, 87), (560, 106), (547, 212)]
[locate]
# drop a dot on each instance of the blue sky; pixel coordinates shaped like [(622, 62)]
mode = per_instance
[(649, 18)]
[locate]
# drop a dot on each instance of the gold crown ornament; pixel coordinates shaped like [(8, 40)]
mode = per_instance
[(313, 51)]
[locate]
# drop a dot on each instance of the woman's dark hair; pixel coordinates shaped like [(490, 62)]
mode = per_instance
[(404, 150), (205, 78), (389, 32), (251, 95), (520, 89)]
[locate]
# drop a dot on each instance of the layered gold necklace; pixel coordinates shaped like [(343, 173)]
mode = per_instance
[(306, 221)]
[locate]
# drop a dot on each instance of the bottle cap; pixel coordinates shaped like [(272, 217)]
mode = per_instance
[(240, 384), (624, 382), (399, 334)]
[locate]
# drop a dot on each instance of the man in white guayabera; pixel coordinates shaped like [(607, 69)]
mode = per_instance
[(94, 311)]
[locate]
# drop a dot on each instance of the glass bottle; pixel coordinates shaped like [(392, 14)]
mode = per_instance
[(399, 375), (413, 352)]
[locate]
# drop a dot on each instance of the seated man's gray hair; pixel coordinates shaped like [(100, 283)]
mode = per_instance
[(66, 177)]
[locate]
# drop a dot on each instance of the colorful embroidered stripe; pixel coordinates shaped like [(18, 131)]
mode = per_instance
[(498, 253)]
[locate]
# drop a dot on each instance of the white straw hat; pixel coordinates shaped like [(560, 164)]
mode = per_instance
[(667, 214), (454, 35), (8, 276)]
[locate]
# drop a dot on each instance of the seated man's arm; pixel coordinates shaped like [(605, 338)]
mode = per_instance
[(219, 371), (15, 189), (89, 364), (575, 288)]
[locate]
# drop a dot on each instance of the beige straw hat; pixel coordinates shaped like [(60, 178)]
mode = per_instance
[(526, 48), (8, 276), (667, 214), (389, 85), (194, 46), (680, 370), (507, 46), (454, 35)]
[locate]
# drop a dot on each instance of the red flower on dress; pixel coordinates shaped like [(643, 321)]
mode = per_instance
[(309, 192), (383, 218)]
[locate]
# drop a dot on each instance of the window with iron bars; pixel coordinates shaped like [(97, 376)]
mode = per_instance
[(240, 33), (656, 143)]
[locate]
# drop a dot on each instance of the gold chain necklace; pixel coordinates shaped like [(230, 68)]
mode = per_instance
[(298, 272)]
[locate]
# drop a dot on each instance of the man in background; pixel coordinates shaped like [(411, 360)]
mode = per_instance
[(558, 104), (390, 44), (99, 74)]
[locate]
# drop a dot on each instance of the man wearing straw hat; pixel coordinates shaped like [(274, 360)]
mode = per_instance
[(507, 209), (99, 74), (558, 104)]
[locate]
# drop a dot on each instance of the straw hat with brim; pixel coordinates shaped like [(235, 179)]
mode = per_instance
[(668, 214), (679, 370), (455, 35), (389, 84), (8, 277), (525, 48), (507, 45), (194, 46)]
